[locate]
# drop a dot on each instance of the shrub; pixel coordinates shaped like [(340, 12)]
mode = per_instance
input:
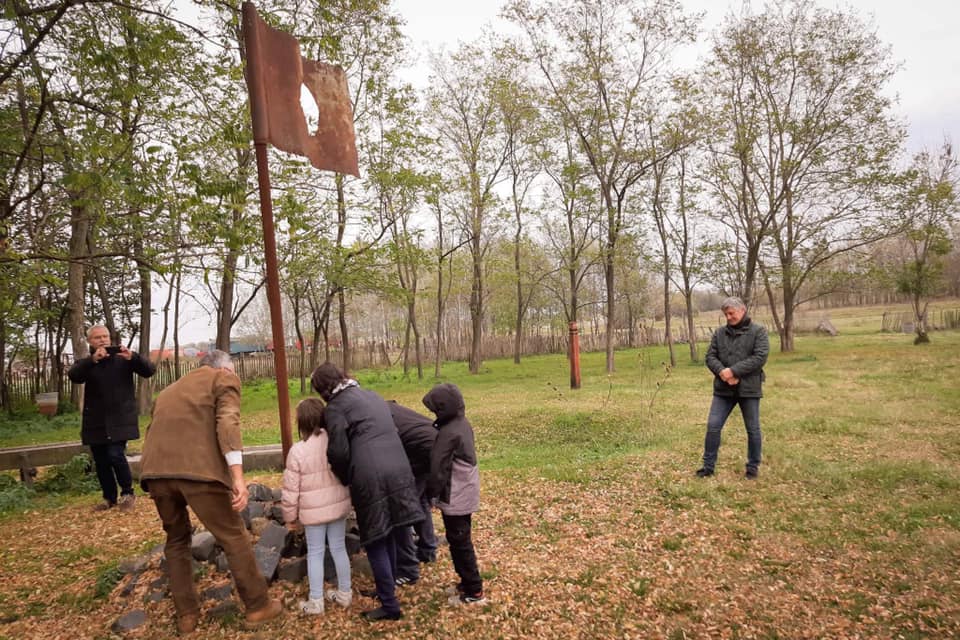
[(72, 478), (14, 495)]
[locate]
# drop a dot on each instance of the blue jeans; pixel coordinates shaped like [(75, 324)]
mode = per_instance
[(720, 409), (112, 468), (335, 534)]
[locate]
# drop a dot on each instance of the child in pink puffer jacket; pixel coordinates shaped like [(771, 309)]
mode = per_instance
[(315, 498)]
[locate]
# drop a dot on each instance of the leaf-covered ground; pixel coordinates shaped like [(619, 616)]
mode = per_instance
[(636, 552), (593, 525)]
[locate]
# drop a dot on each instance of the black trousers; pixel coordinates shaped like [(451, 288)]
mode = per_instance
[(462, 553), (110, 461)]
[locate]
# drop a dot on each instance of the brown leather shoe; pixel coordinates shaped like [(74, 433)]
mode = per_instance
[(269, 612), (186, 624), (127, 503), (103, 505)]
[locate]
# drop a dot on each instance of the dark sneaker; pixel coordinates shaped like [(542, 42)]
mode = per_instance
[(368, 593), (704, 472), (752, 474), (404, 581), (426, 558), (375, 615), (467, 600), (103, 506)]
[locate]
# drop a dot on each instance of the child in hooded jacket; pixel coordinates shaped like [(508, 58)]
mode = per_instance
[(314, 497), (454, 483)]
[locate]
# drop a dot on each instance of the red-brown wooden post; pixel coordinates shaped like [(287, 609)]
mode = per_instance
[(574, 356)]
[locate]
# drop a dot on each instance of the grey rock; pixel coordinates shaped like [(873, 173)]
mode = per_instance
[(129, 621), (203, 546), (225, 611), (360, 566), (131, 585), (221, 593), (155, 596), (257, 509), (267, 560), (221, 561), (274, 536), (159, 583), (134, 565), (276, 513), (260, 492), (277, 494), (352, 541), (257, 525), (292, 570)]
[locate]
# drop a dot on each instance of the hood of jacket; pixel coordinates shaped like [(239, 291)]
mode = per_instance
[(446, 401)]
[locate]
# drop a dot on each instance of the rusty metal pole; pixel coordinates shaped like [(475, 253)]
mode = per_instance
[(574, 356), (273, 297), (258, 117)]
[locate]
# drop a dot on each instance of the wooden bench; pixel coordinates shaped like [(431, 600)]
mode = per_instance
[(28, 458)]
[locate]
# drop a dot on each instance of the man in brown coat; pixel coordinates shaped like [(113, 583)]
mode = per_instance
[(193, 455)]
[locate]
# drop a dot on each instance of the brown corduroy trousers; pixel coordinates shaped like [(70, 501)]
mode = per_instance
[(210, 501)]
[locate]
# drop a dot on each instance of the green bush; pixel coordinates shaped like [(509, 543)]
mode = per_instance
[(72, 478), (14, 495), (108, 575)]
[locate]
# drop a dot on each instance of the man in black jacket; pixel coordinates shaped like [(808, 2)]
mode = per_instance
[(110, 412), (736, 357), (417, 434)]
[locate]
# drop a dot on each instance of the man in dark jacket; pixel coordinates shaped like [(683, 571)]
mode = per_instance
[(110, 412), (736, 357), (366, 454), (417, 434), (455, 483)]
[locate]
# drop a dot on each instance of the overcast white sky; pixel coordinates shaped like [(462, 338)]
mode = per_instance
[(920, 32)]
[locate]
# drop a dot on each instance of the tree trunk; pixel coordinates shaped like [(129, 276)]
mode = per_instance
[(344, 337), (144, 385), (667, 332), (176, 327), (225, 307), (608, 275), (79, 226), (476, 308), (691, 330)]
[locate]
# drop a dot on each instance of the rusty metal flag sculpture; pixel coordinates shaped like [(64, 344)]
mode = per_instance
[(275, 73)]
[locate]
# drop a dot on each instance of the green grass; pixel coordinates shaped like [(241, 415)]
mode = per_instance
[(862, 430)]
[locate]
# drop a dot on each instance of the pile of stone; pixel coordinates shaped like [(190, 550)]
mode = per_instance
[(280, 554)]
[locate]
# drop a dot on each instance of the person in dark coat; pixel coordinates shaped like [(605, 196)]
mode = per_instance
[(366, 454), (736, 357), (455, 484), (417, 434), (110, 412)]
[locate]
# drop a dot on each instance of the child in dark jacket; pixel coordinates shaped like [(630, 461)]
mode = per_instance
[(455, 484)]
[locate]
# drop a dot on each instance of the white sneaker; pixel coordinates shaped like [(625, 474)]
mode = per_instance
[(312, 607), (342, 598)]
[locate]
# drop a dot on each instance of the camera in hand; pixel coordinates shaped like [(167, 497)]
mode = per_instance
[(113, 349)]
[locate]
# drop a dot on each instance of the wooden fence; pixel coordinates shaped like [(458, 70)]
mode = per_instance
[(23, 385)]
